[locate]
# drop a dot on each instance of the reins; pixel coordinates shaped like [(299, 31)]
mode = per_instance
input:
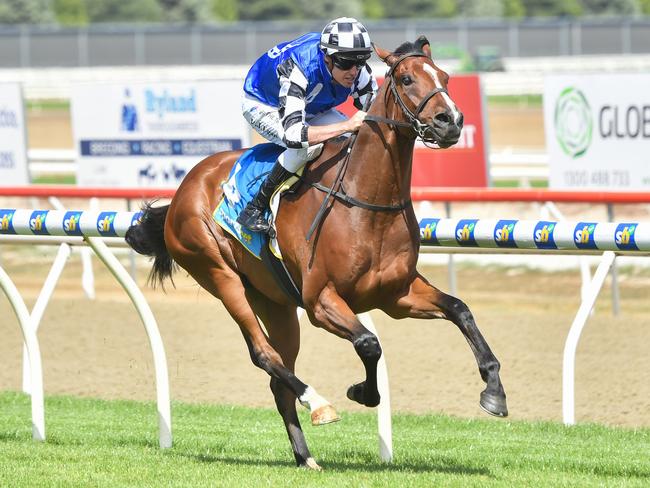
[(420, 129)]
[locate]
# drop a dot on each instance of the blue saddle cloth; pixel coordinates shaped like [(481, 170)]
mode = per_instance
[(242, 185)]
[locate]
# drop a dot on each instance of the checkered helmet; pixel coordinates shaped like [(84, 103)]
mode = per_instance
[(346, 37)]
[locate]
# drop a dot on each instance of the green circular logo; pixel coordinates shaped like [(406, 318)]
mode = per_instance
[(573, 122)]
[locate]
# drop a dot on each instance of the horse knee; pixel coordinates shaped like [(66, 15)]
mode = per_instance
[(367, 346), (458, 311)]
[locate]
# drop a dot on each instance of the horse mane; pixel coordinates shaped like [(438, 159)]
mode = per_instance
[(412, 47)]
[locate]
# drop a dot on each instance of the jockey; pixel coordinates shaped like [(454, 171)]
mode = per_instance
[(290, 94)]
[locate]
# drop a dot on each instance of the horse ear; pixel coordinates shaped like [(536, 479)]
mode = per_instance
[(386, 56), (423, 43)]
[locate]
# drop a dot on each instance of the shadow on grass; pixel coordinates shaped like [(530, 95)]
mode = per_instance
[(438, 466)]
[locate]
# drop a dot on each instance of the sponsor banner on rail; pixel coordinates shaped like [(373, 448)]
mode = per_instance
[(536, 234), (66, 223), (13, 140), (464, 164), (152, 134), (598, 131)]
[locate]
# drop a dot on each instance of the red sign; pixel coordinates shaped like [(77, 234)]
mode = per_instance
[(463, 164)]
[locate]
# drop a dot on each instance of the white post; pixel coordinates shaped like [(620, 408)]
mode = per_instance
[(41, 302), (151, 327), (384, 422), (33, 354), (571, 345)]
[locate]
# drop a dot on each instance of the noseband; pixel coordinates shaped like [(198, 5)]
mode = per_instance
[(423, 131)]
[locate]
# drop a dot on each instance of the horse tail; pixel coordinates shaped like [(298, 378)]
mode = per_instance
[(148, 238)]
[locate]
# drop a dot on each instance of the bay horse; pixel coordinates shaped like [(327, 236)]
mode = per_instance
[(362, 256)]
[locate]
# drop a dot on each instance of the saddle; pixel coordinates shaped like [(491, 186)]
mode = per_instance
[(246, 176)]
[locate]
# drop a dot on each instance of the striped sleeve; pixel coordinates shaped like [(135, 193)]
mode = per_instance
[(293, 91), (364, 88)]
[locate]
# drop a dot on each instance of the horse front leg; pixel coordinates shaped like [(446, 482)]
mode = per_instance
[(330, 312), (427, 302)]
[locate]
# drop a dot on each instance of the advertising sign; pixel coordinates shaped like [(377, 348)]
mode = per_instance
[(13, 141), (598, 131), (465, 163), (152, 134)]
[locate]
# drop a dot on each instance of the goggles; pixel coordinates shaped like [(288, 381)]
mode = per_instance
[(346, 64)]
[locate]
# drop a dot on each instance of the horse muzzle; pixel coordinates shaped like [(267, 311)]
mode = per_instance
[(445, 129)]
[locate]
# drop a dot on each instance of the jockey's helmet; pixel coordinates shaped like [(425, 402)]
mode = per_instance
[(346, 38)]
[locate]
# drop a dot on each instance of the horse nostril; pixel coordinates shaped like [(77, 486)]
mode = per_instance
[(461, 119), (443, 118)]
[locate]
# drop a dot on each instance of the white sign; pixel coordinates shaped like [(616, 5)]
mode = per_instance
[(152, 134), (598, 131), (13, 144)]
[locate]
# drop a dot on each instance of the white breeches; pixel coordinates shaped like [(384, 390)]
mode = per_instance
[(266, 121)]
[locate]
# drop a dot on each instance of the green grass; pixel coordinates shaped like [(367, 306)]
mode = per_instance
[(55, 180), (530, 100), (48, 104), (114, 443)]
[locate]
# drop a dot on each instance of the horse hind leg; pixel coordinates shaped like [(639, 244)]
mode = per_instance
[(425, 301), (284, 335)]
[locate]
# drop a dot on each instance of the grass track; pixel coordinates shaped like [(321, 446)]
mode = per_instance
[(114, 443)]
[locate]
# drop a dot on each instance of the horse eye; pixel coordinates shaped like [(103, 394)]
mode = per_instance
[(406, 80)]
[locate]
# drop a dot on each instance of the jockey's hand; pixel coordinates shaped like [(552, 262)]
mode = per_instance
[(356, 121)]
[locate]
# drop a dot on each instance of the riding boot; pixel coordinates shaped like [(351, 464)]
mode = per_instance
[(253, 217)]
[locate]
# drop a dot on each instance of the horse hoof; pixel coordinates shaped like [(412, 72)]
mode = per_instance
[(357, 393), (493, 404), (324, 415), (310, 463)]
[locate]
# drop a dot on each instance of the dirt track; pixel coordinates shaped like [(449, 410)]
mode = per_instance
[(100, 349)]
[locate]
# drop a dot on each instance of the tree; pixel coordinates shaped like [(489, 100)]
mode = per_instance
[(513, 9), (192, 11), (120, 11), (552, 8), (26, 12), (481, 8), (268, 10), (71, 12), (330, 9), (227, 10), (644, 6), (374, 9), (611, 7), (420, 9)]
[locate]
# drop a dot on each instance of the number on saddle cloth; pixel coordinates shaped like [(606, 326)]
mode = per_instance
[(244, 181)]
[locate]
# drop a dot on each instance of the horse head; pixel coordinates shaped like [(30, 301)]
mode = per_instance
[(419, 88)]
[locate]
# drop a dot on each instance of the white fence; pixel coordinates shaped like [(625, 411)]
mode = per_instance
[(450, 236), (504, 165)]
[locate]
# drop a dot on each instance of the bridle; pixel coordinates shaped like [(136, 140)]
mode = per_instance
[(423, 131)]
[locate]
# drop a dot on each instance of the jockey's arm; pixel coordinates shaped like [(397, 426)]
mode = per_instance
[(298, 134), (320, 133)]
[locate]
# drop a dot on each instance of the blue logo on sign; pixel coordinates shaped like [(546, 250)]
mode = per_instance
[(6, 221), (164, 103), (624, 236), (583, 235), (504, 233), (129, 113), (71, 223), (8, 118), (106, 224), (465, 232), (37, 222), (428, 231), (543, 235)]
